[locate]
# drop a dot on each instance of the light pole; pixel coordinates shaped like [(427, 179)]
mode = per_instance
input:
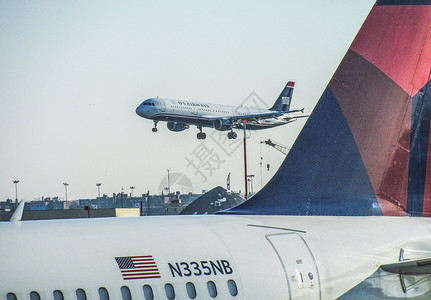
[(98, 189), (16, 191), (250, 178), (65, 190), (122, 203), (169, 184), (244, 123), (132, 188)]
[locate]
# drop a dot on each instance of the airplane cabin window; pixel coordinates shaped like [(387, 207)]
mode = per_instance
[(191, 290), (125, 293), (80, 294), (103, 294), (231, 285), (11, 296), (169, 290), (34, 296), (58, 295), (212, 289), (148, 292)]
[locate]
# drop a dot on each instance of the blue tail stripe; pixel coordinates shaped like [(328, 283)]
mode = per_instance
[(420, 126), (309, 182)]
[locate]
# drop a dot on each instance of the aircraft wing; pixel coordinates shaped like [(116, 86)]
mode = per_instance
[(414, 267), (262, 116)]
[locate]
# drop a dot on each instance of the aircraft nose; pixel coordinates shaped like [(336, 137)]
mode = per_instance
[(140, 111)]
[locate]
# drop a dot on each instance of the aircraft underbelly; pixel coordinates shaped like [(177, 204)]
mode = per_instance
[(186, 120)]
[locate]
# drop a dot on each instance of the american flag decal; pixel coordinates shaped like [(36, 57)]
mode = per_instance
[(138, 267)]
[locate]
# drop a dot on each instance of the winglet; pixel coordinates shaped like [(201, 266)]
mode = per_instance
[(17, 215)]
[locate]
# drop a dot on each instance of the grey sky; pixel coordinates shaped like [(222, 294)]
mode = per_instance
[(73, 72)]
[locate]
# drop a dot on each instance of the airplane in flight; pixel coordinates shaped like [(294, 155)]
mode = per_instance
[(180, 114), (346, 216)]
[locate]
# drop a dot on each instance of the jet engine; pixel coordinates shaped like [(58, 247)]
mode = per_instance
[(222, 124), (174, 126)]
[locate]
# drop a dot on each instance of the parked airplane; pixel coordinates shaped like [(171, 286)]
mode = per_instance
[(320, 229), (181, 114)]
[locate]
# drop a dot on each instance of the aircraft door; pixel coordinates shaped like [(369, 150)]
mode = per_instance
[(162, 105), (299, 265)]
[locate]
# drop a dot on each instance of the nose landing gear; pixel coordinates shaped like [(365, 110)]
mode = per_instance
[(155, 126)]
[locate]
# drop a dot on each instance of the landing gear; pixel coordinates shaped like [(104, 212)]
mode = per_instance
[(201, 135), (155, 126), (232, 135)]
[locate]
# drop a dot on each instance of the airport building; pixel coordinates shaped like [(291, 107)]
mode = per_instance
[(123, 205), (144, 205)]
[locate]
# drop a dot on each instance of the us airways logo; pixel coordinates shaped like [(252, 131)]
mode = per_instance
[(138, 267), (285, 100)]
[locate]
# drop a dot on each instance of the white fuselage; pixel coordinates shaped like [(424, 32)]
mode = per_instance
[(266, 257), (203, 114)]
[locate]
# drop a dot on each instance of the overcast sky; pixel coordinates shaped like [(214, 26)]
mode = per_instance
[(73, 72)]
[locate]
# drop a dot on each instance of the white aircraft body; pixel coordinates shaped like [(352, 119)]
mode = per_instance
[(233, 257), (180, 114), (344, 217)]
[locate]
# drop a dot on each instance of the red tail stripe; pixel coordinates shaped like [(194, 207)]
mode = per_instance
[(398, 49)]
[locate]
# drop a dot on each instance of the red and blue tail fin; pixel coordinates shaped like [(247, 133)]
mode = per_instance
[(284, 100), (366, 148)]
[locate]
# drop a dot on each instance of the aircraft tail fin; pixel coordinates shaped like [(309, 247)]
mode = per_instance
[(366, 147), (17, 214), (285, 98)]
